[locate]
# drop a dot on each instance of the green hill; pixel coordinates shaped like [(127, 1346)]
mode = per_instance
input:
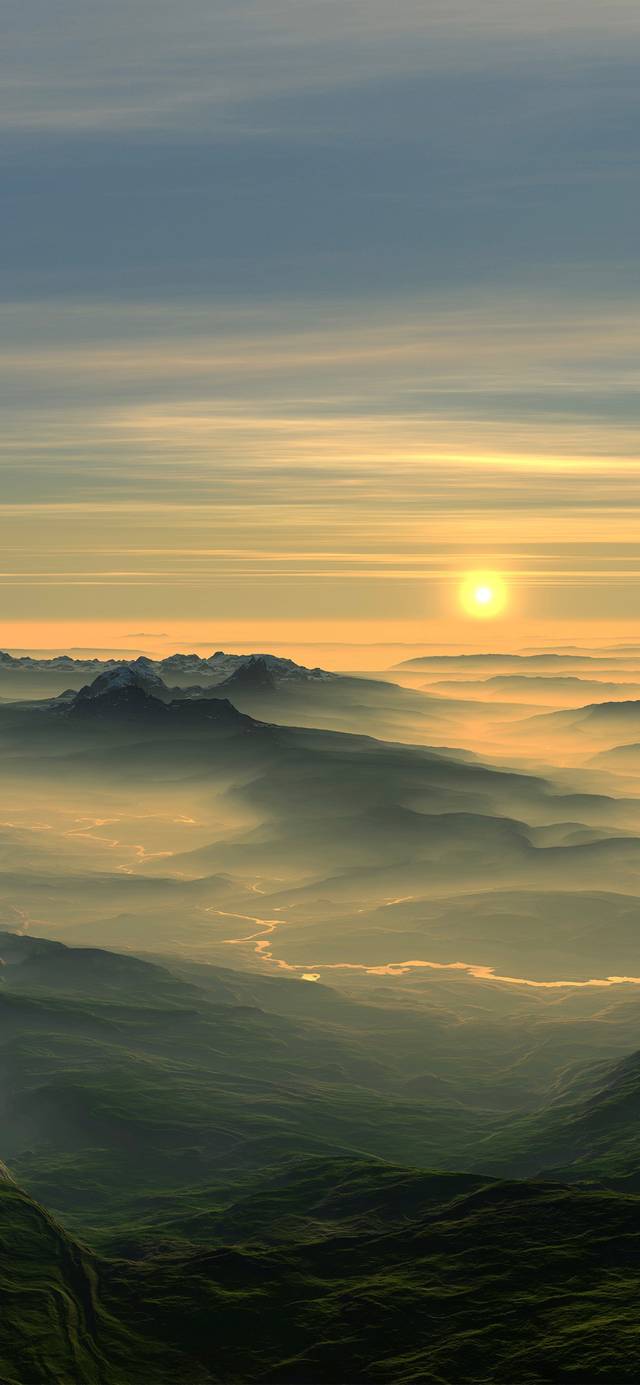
[(345, 1271), (591, 1129), (54, 1328), (238, 1163)]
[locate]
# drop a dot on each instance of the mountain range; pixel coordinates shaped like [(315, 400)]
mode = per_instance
[(218, 665)]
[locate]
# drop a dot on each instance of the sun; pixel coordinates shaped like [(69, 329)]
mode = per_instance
[(483, 594)]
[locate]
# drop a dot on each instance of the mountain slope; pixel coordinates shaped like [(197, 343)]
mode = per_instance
[(597, 719), (53, 1324), (378, 1275), (127, 1087), (247, 1159), (142, 697), (252, 676), (121, 1082), (346, 1271)]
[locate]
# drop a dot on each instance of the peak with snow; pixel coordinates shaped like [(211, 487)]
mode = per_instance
[(130, 694), (251, 674), (122, 681), (281, 670), (212, 670)]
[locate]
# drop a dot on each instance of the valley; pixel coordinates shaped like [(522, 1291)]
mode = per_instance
[(326, 1012)]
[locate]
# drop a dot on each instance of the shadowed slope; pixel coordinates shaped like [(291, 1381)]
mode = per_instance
[(348, 1271), (53, 1324)]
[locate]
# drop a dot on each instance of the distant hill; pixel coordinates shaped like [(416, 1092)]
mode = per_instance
[(600, 720), (620, 758), (345, 817), (507, 661), (538, 687)]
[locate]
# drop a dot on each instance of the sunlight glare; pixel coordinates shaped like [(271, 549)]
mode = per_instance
[(483, 594)]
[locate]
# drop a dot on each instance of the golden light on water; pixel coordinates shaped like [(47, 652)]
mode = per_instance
[(483, 594)]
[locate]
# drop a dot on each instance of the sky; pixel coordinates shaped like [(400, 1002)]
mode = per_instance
[(311, 307)]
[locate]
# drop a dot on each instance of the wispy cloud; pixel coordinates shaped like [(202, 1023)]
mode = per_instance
[(309, 302), (79, 67)]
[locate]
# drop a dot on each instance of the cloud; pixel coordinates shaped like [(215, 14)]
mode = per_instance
[(87, 66), (308, 299)]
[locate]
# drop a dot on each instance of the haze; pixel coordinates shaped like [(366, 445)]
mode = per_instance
[(319, 693)]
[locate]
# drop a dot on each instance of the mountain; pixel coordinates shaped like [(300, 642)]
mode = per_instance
[(25, 676), (626, 711), (269, 688), (366, 1274), (123, 683), (281, 670), (132, 694), (263, 673), (59, 661), (355, 705), (219, 663), (253, 675)]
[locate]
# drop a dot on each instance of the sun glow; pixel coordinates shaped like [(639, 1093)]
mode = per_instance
[(483, 594)]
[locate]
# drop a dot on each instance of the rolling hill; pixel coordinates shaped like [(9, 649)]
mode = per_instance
[(241, 1175), (348, 1270)]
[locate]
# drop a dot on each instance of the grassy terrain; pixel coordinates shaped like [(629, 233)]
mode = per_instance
[(343, 1271), (127, 1088), (590, 1130), (54, 1327), (235, 1171), (120, 1081)]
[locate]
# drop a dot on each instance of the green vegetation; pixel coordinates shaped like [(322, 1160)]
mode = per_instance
[(119, 1080), (53, 1324), (340, 1271), (233, 1148)]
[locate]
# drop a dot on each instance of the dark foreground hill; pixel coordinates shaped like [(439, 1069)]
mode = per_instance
[(348, 1272), (235, 1168), (53, 1324)]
